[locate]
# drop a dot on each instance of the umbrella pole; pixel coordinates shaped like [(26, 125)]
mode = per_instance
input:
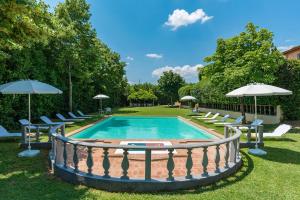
[(255, 117), (101, 106), (255, 107), (29, 119)]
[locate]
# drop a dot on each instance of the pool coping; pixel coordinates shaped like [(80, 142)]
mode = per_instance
[(188, 121)]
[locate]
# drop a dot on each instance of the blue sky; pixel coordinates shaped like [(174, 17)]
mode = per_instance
[(157, 35)]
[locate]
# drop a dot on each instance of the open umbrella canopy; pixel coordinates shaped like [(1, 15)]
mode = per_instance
[(255, 90), (101, 96), (188, 98), (258, 89), (28, 87)]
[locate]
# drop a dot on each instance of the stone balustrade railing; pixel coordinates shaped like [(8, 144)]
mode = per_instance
[(75, 161)]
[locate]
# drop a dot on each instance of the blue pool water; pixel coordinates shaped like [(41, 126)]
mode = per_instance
[(119, 127)]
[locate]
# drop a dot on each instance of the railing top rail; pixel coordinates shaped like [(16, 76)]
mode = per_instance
[(177, 146)]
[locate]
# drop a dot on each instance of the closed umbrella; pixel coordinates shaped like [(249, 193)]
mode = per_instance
[(28, 87), (255, 90), (100, 97)]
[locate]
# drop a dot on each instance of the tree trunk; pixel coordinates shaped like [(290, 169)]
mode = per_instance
[(70, 89), (242, 109)]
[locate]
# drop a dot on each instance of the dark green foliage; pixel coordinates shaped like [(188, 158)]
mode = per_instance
[(169, 84), (36, 44), (248, 57), (289, 78)]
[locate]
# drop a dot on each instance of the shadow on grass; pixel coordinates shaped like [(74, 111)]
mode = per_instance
[(282, 155), (295, 130), (33, 185), (28, 178), (125, 111), (280, 139)]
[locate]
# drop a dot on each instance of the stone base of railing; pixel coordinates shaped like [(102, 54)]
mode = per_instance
[(37, 145), (142, 185)]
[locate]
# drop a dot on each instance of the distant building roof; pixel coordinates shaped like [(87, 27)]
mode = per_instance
[(291, 50)]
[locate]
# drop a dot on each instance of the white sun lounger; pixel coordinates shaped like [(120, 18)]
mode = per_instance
[(237, 121), (48, 121), (76, 117), (210, 118), (279, 131), (108, 110), (25, 122), (67, 121), (205, 116), (84, 115), (216, 120), (5, 134), (253, 125)]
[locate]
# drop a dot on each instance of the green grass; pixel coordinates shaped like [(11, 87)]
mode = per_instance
[(275, 176)]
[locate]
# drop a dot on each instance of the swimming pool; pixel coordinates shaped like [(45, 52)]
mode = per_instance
[(119, 127)]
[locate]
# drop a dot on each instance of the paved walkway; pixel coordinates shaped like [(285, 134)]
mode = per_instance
[(137, 162)]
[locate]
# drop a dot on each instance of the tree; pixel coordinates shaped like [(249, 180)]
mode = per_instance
[(249, 57), (289, 78), (74, 17), (169, 83), (61, 49)]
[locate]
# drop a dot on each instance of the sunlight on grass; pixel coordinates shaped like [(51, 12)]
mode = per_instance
[(275, 176)]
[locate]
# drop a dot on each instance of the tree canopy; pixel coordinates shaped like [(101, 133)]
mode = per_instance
[(248, 57), (59, 48), (169, 83)]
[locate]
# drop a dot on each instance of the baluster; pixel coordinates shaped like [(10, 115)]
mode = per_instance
[(189, 164), (148, 164), (170, 165), (106, 163), (57, 151), (217, 159), (233, 153), (238, 147), (227, 155), (205, 162), (75, 158), (89, 161), (125, 164), (65, 154)]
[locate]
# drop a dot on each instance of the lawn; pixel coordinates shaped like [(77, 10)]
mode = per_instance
[(275, 176)]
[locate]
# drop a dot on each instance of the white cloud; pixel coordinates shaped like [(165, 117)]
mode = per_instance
[(189, 73), (284, 48), (154, 55), (129, 58), (289, 40), (180, 17)]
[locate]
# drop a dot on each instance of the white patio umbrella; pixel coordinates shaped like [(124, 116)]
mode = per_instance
[(28, 87), (100, 97), (188, 98), (255, 90)]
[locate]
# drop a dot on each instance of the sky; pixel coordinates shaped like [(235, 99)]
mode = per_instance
[(153, 36)]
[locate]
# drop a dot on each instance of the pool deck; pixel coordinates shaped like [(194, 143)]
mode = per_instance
[(137, 161), (158, 161)]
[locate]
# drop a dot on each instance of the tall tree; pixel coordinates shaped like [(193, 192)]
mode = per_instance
[(248, 57), (74, 17), (169, 83)]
